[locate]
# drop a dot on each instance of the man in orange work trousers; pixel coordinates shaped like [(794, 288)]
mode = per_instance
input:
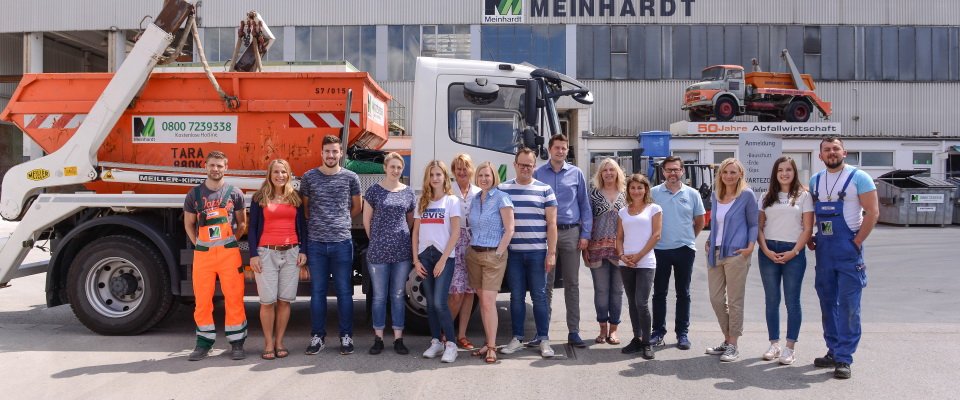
[(208, 214)]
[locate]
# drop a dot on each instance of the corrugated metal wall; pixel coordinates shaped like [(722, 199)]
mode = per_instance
[(26, 16), (11, 63), (883, 108)]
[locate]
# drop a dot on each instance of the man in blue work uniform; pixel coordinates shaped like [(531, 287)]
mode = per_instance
[(846, 210), (574, 223)]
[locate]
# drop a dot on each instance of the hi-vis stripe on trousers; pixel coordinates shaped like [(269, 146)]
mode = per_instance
[(207, 266)]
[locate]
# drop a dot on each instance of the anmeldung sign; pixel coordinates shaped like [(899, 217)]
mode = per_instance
[(758, 151)]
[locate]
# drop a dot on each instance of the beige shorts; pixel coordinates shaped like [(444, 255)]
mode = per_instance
[(485, 269)]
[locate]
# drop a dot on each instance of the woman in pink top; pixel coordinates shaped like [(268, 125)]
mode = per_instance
[(276, 225)]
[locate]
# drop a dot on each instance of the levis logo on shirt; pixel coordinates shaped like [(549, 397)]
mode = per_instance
[(433, 216)]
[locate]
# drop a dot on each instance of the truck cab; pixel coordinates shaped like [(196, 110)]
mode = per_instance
[(721, 88)]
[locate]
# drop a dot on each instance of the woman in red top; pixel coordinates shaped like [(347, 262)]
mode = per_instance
[(276, 226)]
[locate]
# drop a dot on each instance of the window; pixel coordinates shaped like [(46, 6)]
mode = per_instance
[(876, 159), (540, 45), (922, 158), (719, 156), (688, 155), (447, 41), (853, 158), (624, 159), (354, 44), (218, 43), (495, 126)]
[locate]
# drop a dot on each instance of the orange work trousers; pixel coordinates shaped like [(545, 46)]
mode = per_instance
[(208, 265)]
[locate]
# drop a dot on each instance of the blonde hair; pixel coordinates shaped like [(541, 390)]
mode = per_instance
[(428, 194), (393, 156), (621, 178), (721, 188), (641, 179), (463, 160), (496, 176), (288, 193)]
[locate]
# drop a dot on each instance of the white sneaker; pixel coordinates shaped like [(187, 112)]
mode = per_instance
[(449, 353), (718, 350), (730, 354), (434, 350), (512, 347), (788, 356), (545, 350), (773, 352)]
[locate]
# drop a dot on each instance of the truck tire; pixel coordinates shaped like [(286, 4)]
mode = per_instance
[(797, 111), (725, 109), (416, 304), (119, 285)]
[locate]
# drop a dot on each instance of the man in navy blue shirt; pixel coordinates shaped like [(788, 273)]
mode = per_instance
[(574, 221)]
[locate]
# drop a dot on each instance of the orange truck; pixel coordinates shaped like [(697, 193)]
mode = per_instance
[(124, 148), (725, 92)]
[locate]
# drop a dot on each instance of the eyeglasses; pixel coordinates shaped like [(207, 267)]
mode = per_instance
[(525, 166), (673, 170)]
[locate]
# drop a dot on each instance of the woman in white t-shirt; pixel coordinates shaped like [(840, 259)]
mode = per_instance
[(638, 230), (786, 223), (436, 229)]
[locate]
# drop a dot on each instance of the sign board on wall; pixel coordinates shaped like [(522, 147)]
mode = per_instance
[(758, 153), (709, 128)]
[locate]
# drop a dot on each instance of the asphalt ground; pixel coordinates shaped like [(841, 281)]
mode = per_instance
[(910, 348)]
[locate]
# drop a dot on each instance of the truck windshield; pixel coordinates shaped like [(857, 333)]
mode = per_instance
[(712, 74)]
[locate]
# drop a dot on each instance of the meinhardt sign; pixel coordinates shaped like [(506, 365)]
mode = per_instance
[(610, 8), (807, 128), (503, 11)]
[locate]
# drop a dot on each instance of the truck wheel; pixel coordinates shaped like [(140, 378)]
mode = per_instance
[(798, 111), (119, 285), (725, 109), (416, 304)]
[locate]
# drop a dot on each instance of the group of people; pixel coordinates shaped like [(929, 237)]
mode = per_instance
[(468, 231)]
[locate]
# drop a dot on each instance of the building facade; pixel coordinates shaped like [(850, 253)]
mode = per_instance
[(891, 68)]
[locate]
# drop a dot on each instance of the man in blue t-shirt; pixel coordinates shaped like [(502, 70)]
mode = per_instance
[(331, 197), (683, 219), (846, 209)]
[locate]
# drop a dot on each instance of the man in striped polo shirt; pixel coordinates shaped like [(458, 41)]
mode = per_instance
[(532, 250)]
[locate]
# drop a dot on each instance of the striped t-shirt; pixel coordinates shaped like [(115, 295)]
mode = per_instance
[(529, 213)]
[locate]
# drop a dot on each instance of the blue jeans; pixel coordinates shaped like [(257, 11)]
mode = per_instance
[(323, 259), (607, 292), (388, 282), (525, 271), (791, 274), (436, 290)]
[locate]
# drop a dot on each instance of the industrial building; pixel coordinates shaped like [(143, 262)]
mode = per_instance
[(891, 68)]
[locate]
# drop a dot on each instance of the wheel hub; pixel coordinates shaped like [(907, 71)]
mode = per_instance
[(114, 287)]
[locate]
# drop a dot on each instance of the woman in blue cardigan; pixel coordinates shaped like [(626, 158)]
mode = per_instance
[(277, 239), (733, 235)]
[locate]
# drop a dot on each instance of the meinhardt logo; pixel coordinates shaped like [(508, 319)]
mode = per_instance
[(503, 11), (144, 129)]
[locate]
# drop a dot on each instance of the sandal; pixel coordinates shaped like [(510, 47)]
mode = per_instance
[(491, 357), (481, 351), (464, 343), (268, 355), (612, 340), (603, 334), (282, 352)]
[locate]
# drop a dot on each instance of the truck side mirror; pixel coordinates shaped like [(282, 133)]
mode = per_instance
[(480, 91), (583, 98), (529, 138), (530, 96)]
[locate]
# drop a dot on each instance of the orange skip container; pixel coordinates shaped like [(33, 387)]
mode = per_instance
[(178, 118)]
